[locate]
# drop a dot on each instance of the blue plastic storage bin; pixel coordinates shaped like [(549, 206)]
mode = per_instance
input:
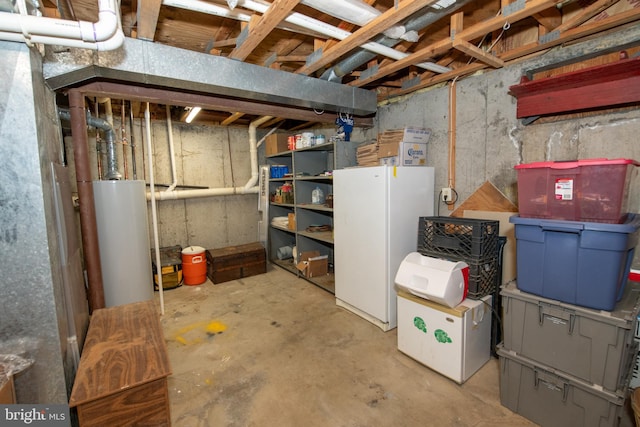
[(581, 263)]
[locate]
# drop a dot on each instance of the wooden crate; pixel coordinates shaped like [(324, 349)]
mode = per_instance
[(122, 376), (236, 262)]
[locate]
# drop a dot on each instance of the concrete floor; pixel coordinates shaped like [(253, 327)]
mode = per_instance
[(274, 350)]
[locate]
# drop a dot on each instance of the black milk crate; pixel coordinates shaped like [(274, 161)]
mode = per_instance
[(483, 277), (458, 238)]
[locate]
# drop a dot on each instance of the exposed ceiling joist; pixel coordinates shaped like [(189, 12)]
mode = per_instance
[(449, 39), (260, 28), (148, 12)]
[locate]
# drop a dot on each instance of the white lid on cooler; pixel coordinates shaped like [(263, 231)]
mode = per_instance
[(438, 280)]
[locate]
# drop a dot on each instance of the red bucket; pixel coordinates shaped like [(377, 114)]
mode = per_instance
[(194, 265)]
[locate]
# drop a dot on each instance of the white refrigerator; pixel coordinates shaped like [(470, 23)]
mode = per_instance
[(375, 214)]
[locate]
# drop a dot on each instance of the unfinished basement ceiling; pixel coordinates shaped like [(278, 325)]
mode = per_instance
[(445, 39)]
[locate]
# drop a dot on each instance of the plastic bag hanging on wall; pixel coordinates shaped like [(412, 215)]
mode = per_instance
[(345, 125)]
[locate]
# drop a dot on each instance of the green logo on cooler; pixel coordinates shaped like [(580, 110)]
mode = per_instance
[(419, 323), (442, 336)]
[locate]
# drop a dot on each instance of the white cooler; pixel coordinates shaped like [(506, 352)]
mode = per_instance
[(452, 341)]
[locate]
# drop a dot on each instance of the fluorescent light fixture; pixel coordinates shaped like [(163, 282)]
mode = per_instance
[(192, 114)]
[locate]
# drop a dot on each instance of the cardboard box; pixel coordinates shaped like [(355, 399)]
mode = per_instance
[(275, 143), (507, 230), (419, 135), (408, 134), (388, 149), (291, 224), (413, 154), (403, 154), (312, 264)]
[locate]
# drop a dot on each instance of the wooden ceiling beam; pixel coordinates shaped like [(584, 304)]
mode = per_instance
[(440, 47), (586, 14), (549, 18), (477, 53), (260, 27), (367, 32), (584, 30), (232, 118), (148, 12)]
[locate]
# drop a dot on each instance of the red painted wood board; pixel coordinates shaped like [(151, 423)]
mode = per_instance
[(606, 85)]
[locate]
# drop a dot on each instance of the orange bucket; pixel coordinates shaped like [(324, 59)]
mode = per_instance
[(194, 265)]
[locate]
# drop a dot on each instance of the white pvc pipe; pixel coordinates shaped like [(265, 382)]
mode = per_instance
[(174, 178), (223, 12), (113, 43), (310, 24), (154, 214), (253, 151), (251, 187), (105, 34)]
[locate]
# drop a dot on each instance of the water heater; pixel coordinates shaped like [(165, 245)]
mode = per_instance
[(123, 235)]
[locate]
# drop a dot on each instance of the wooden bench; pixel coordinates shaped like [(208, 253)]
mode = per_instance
[(122, 376)]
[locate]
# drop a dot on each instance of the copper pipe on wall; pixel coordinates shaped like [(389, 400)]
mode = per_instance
[(451, 181), (133, 142), (124, 140), (88, 225)]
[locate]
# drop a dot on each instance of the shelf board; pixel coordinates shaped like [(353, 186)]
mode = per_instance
[(326, 282), (314, 178), (284, 205), (286, 264), (328, 146), (277, 227), (325, 236), (315, 207)]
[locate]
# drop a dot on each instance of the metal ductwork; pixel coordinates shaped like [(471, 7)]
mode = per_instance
[(110, 138), (146, 64), (362, 56)]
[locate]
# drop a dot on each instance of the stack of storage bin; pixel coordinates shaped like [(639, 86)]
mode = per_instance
[(437, 325), (569, 319)]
